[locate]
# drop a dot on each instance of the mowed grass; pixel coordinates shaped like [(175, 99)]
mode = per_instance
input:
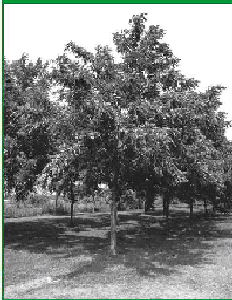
[(46, 258)]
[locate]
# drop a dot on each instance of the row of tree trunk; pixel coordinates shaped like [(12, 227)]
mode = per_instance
[(148, 204), (167, 196)]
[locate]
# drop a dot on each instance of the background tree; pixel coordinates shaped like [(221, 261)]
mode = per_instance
[(26, 119)]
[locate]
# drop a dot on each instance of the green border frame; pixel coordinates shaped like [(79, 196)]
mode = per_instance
[(71, 2), (2, 152), (117, 2)]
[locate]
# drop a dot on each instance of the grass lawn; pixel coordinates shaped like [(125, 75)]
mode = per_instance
[(45, 258)]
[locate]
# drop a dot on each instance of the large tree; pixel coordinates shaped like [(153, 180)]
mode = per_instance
[(141, 117), (136, 124)]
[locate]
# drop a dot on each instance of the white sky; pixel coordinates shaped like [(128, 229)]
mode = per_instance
[(200, 35)]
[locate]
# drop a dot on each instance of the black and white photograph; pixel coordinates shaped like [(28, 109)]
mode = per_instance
[(117, 140)]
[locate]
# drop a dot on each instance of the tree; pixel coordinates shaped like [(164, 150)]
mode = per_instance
[(136, 124), (26, 119), (140, 116)]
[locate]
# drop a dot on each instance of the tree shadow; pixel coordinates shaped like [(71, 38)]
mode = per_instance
[(150, 251)]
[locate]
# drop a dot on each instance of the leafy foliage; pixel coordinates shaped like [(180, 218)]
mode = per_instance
[(138, 124)]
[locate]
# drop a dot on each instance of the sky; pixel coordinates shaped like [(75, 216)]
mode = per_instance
[(200, 35)]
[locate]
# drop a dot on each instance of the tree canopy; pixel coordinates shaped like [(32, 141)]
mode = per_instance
[(139, 123)]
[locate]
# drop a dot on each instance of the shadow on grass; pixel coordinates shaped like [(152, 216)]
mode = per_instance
[(151, 251)]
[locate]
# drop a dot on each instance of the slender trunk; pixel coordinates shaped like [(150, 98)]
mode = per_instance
[(167, 204), (228, 202), (116, 216), (93, 203), (191, 207), (164, 204), (72, 204), (213, 197), (117, 202), (149, 198), (57, 197), (71, 213), (140, 202), (214, 203), (113, 225), (205, 207), (115, 192), (225, 202), (166, 201)]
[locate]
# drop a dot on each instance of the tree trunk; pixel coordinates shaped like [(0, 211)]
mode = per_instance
[(164, 204), (213, 196), (227, 202), (117, 202), (149, 198), (166, 201), (116, 216), (191, 207), (205, 207), (72, 203), (224, 203), (93, 203), (214, 203), (115, 192), (140, 202), (57, 197), (113, 226), (167, 205), (71, 221)]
